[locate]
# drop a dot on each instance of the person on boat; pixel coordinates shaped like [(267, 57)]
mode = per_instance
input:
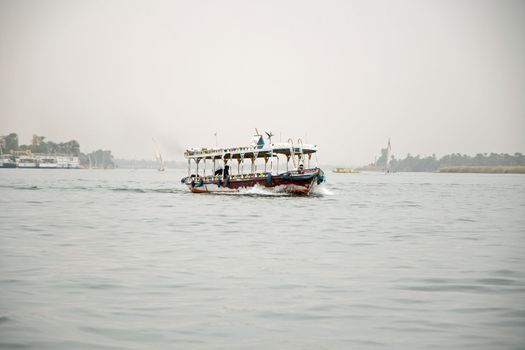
[(226, 171), (300, 170)]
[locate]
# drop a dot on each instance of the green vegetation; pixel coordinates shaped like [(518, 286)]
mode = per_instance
[(96, 159), (100, 159), (484, 169), (486, 162), (9, 144)]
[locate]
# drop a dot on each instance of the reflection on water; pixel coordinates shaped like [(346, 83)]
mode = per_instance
[(132, 260)]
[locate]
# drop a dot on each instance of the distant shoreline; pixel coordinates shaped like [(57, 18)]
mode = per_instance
[(500, 169)]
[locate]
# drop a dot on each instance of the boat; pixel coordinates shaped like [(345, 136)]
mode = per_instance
[(263, 168), (7, 161), (47, 161), (27, 162), (344, 170), (388, 156), (160, 162), (30, 160), (67, 162), (158, 157)]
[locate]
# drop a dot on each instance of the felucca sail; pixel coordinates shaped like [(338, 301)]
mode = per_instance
[(158, 157), (388, 156)]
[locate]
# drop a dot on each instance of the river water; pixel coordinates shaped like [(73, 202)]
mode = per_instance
[(124, 259)]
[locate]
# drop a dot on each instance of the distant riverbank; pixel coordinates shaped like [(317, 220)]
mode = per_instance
[(499, 163), (519, 169)]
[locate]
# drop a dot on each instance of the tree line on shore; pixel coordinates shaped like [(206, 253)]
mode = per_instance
[(9, 144), (432, 163)]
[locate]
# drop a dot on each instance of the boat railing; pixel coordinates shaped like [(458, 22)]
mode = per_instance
[(247, 176), (232, 177), (220, 151)]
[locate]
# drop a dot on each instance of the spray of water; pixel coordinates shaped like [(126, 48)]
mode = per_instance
[(258, 190), (322, 190)]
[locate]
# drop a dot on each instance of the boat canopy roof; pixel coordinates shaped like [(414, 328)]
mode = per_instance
[(255, 150)]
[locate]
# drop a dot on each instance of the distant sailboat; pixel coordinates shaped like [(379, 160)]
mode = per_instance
[(160, 161), (388, 156), (158, 157)]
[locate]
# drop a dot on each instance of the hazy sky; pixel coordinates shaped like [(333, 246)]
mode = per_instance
[(434, 76)]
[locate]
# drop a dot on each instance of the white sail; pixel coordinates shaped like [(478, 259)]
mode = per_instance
[(388, 156), (161, 163), (158, 157)]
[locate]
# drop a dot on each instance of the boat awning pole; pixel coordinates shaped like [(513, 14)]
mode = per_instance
[(271, 160), (254, 162), (189, 166)]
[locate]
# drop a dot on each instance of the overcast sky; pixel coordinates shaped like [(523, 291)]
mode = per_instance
[(434, 76)]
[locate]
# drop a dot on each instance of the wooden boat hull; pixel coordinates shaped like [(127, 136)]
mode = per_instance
[(289, 182)]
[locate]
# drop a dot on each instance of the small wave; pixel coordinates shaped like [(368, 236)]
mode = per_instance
[(167, 190), (100, 285), (30, 188), (96, 188), (466, 220), (82, 188), (449, 288), (147, 190), (125, 189), (4, 345), (497, 281)]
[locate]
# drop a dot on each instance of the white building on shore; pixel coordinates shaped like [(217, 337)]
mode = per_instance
[(46, 161)]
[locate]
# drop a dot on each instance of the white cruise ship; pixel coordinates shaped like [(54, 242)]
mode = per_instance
[(7, 161), (67, 162), (47, 162), (26, 162), (41, 161)]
